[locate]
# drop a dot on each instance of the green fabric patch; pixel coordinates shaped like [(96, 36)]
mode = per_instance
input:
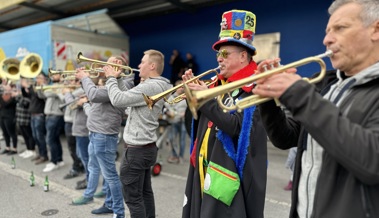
[(221, 183)]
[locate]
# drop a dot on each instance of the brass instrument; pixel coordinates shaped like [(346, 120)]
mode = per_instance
[(10, 69), (72, 103), (196, 99), (151, 100), (80, 58), (55, 86), (31, 65), (70, 74), (181, 97)]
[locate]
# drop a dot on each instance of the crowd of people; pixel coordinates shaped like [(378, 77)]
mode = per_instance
[(332, 127)]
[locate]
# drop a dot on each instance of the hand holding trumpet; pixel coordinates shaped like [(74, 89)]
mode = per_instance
[(195, 85), (112, 71), (274, 86), (81, 73)]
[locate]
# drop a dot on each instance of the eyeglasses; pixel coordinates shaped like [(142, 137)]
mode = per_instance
[(224, 53)]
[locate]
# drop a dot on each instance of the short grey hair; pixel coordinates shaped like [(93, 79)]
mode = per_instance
[(369, 13)]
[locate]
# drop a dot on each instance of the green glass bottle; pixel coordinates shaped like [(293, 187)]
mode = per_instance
[(13, 163), (46, 184), (32, 179)]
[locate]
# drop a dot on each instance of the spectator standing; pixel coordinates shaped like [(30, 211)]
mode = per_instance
[(177, 66)]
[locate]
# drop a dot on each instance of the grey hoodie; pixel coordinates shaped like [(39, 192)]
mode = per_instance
[(103, 117), (79, 126), (53, 101), (142, 122)]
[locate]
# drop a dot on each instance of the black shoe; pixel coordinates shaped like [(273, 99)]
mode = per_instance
[(5, 151), (11, 152), (81, 181), (82, 185), (102, 210), (71, 174)]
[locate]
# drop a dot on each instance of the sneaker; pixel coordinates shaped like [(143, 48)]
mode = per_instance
[(102, 210), (50, 167), (81, 200), (60, 163), (41, 160), (71, 174), (173, 159), (288, 186), (23, 153), (29, 154), (82, 185), (99, 194)]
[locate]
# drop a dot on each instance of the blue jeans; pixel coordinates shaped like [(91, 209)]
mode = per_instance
[(54, 125), (39, 133), (102, 156), (178, 129), (82, 151), (82, 143)]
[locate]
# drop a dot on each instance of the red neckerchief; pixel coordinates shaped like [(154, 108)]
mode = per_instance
[(241, 74)]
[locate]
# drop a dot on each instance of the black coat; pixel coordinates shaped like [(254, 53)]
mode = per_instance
[(250, 197), (348, 183)]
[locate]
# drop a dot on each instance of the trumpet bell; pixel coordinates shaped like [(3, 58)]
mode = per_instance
[(10, 68), (31, 65)]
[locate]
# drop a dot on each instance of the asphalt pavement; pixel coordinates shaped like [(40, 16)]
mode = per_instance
[(19, 199)]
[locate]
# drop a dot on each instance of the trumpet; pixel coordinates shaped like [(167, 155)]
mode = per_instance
[(70, 74), (61, 106), (151, 100), (196, 99), (55, 86), (181, 97), (80, 58)]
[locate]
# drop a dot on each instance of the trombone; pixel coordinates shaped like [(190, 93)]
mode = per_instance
[(80, 58), (196, 99), (151, 100)]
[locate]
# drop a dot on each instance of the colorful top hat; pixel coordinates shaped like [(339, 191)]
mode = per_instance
[(237, 27)]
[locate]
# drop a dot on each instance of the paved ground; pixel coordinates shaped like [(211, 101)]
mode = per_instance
[(18, 199)]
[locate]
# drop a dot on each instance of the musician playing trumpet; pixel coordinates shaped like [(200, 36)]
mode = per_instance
[(54, 124), (103, 123), (140, 130), (228, 148)]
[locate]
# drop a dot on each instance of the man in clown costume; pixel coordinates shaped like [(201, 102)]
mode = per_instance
[(228, 162)]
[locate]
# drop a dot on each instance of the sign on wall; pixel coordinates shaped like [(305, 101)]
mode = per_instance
[(267, 46), (65, 51)]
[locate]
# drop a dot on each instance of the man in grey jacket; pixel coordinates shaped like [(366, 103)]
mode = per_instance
[(140, 131), (335, 124), (54, 124), (103, 122)]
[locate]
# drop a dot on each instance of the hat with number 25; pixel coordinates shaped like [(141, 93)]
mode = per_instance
[(238, 28)]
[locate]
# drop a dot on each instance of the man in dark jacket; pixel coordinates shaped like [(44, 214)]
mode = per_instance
[(228, 163), (335, 123)]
